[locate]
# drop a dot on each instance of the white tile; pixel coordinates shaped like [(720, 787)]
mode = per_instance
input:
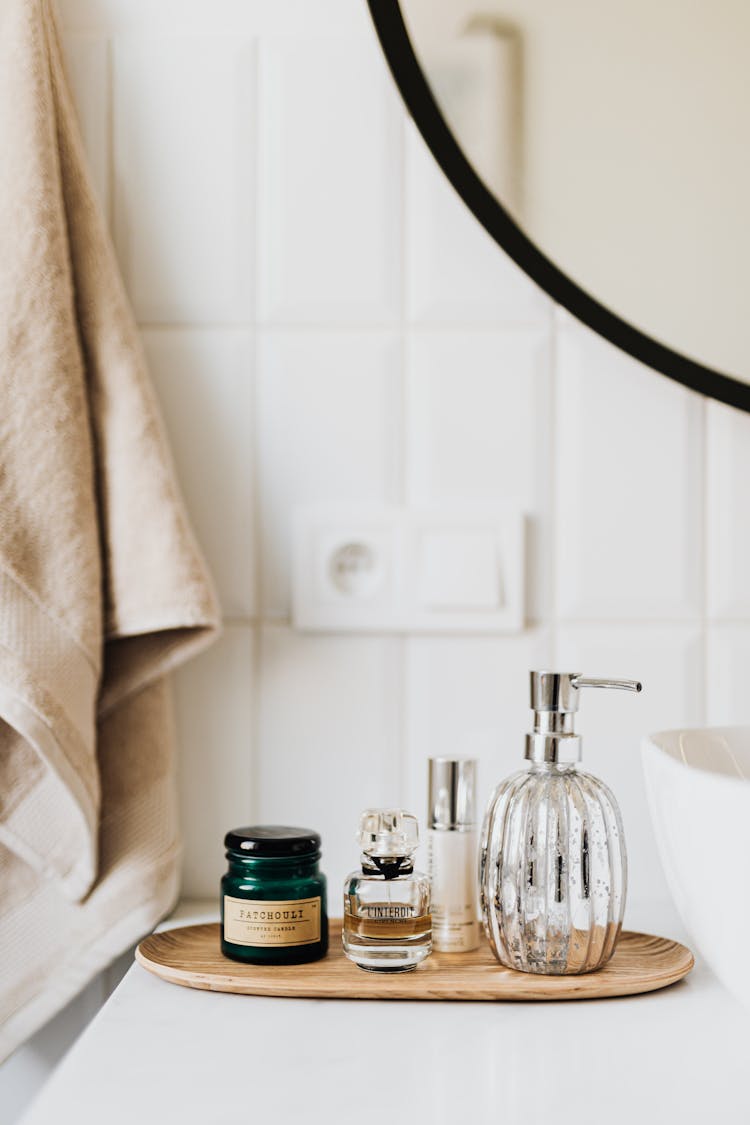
[(329, 430), (727, 663), (330, 182), (183, 151), (629, 487), (329, 738), (215, 714), (204, 380), (728, 533), (196, 17), (668, 661), (456, 273), (478, 428), (468, 697), (87, 58)]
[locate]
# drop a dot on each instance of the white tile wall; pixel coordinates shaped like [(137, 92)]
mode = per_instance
[(328, 740), (205, 381), (215, 700), (477, 404), (728, 537), (728, 661), (468, 696), (328, 429), (629, 488), (454, 272), (184, 157), (326, 321), (330, 183)]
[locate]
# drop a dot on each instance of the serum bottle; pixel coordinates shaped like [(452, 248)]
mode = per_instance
[(387, 922), (452, 851)]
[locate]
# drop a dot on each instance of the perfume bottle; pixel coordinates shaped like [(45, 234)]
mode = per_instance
[(387, 923), (452, 848), (553, 869)]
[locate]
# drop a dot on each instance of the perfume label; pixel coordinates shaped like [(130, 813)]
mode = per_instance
[(386, 911), (397, 920), (253, 922)]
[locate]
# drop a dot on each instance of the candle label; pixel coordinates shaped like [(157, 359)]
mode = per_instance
[(249, 921)]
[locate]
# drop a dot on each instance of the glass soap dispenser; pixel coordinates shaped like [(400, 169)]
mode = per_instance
[(553, 868), (387, 922)]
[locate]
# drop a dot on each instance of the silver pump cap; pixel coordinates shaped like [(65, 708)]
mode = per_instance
[(452, 793), (555, 697)]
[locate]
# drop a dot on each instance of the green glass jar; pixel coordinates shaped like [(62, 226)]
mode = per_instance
[(273, 897)]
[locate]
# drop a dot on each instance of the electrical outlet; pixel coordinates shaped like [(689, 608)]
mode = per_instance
[(360, 569)]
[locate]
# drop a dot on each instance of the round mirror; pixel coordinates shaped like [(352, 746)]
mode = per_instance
[(606, 148)]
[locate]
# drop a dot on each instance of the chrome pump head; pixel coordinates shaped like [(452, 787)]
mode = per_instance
[(555, 697)]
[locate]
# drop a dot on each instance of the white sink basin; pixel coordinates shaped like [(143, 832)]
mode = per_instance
[(698, 791)]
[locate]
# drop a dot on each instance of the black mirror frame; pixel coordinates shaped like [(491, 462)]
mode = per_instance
[(417, 95)]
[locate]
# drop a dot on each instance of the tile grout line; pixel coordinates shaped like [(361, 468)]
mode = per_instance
[(384, 327), (594, 623)]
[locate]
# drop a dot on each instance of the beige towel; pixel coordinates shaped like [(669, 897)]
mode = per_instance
[(102, 587)]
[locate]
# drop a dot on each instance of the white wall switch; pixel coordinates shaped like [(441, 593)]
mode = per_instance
[(360, 569), (459, 570)]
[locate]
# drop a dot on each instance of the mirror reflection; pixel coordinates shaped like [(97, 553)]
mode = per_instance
[(617, 137)]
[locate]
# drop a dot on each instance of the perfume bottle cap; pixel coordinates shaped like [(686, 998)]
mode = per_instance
[(387, 833), (452, 793)]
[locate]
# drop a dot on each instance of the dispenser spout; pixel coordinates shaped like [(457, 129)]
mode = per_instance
[(621, 685), (559, 691)]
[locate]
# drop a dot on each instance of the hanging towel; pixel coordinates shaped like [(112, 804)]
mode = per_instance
[(102, 587)]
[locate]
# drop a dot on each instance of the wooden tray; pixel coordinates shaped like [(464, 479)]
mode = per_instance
[(191, 956)]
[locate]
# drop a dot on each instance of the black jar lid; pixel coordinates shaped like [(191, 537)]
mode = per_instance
[(272, 840)]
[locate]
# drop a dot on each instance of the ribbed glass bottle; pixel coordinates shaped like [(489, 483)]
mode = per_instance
[(553, 871)]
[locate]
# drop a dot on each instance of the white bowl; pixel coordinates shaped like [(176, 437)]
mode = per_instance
[(699, 796)]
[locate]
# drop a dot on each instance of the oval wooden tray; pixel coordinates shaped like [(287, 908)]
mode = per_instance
[(191, 956)]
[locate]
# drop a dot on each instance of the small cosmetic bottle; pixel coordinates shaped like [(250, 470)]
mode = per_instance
[(387, 923), (452, 854)]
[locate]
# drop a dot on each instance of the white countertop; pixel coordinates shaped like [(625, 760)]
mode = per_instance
[(159, 1053)]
